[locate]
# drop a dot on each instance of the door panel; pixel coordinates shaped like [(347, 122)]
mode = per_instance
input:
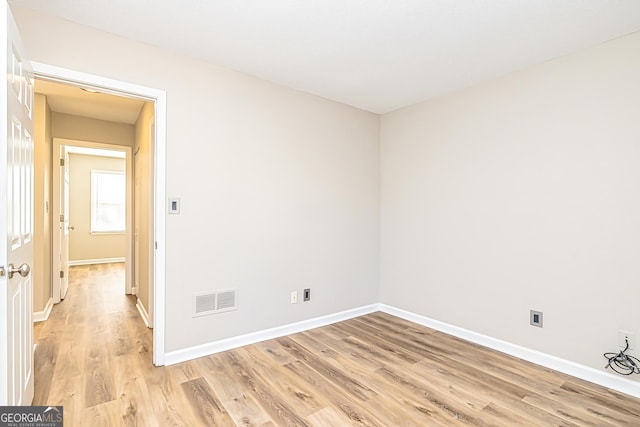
[(60, 264), (64, 224), (16, 221), (136, 221)]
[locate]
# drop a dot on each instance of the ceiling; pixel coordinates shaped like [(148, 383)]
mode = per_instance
[(63, 98), (378, 55)]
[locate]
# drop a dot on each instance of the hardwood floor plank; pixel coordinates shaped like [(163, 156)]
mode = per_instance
[(352, 386), (103, 415), (205, 403), (431, 396), (279, 410), (67, 391), (339, 397), (275, 351), (504, 417), (602, 397), (221, 377), (329, 417), (46, 352), (599, 404), (72, 356), (567, 412), (395, 405), (496, 391), (303, 399), (121, 342), (350, 347), (168, 401), (245, 411), (132, 393), (94, 357), (98, 379), (184, 372), (382, 345)]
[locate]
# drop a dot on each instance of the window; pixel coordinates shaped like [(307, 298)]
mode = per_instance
[(108, 191)]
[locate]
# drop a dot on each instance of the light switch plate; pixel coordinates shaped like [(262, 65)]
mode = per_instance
[(174, 205)]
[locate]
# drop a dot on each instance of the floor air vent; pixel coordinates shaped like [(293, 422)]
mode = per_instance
[(214, 302)]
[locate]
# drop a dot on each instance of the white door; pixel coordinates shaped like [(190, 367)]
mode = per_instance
[(60, 251), (16, 219), (64, 224), (136, 222)]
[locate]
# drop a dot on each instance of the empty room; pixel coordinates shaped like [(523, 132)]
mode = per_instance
[(339, 213)]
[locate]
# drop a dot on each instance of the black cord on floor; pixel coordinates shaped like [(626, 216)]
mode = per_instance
[(623, 363)]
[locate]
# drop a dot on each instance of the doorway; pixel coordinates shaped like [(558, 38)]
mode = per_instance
[(81, 236), (155, 238)]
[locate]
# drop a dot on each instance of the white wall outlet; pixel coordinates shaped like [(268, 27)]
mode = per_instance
[(294, 297), (631, 336)]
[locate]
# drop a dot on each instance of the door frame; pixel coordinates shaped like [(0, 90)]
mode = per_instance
[(158, 97), (58, 143)]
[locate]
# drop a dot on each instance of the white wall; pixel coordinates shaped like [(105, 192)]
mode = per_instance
[(279, 189), (521, 193), (143, 205), (68, 126)]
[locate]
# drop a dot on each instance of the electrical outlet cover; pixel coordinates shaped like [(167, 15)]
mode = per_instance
[(535, 318)]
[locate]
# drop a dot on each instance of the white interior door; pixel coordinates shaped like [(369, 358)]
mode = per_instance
[(64, 224), (136, 222), (60, 252), (16, 219)]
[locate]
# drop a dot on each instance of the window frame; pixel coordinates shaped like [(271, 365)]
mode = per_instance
[(94, 203)]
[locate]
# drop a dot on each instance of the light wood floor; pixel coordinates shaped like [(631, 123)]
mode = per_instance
[(94, 357)]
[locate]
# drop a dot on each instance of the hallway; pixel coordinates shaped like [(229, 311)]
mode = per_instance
[(90, 345)]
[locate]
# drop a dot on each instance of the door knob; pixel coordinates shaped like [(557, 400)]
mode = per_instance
[(71, 227), (23, 270)]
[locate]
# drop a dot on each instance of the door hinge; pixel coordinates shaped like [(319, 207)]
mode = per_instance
[(61, 162), (61, 274), (61, 218), (156, 245)]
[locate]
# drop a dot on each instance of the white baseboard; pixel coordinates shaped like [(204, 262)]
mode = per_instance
[(207, 349), (96, 261), (143, 313), (41, 316), (568, 367)]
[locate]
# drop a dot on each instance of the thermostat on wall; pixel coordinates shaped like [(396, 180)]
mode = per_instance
[(174, 205)]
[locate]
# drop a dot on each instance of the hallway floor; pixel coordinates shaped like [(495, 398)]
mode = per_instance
[(92, 346)]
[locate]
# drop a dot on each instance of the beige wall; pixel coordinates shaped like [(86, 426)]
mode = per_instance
[(42, 204), (85, 129), (84, 246), (518, 194), (279, 188), (143, 196)]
